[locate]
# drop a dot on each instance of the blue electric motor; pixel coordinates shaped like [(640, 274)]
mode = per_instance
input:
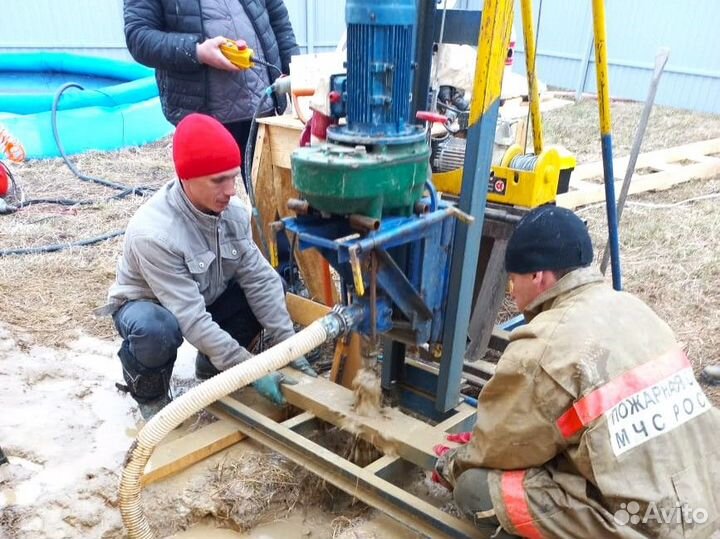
[(377, 94)]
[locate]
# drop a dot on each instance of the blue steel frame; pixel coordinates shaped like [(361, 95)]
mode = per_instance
[(492, 46), (419, 295)]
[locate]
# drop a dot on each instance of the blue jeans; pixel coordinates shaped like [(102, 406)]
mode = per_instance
[(151, 336)]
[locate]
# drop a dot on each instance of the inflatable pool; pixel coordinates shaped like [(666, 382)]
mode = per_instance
[(118, 106)]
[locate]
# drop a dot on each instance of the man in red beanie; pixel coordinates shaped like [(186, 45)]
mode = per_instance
[(593, 424), (190, 268)]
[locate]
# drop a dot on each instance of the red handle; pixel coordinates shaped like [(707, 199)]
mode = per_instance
[(427, 116)]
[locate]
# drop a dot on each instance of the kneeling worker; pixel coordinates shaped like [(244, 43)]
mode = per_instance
[(593, 425), (190, 268)]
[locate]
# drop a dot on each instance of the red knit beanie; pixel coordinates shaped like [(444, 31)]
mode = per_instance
[(202, 146)]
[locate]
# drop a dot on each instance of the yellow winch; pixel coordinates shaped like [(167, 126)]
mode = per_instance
[(530, 180), (526, 180)]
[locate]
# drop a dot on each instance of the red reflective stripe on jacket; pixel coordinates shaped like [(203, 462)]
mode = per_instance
[(516, 504), (596, 403)]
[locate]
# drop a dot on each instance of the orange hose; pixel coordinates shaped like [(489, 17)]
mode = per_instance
[(300, 92)]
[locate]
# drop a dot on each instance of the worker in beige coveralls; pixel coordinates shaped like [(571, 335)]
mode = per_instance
[(593, 425)]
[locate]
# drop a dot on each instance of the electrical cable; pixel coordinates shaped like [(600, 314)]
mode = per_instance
[(268, 65), (140, 191), (249, 146), (60, 246), (247, 166)]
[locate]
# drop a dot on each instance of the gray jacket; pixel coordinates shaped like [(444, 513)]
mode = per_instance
[(163, 34), (185, 259)]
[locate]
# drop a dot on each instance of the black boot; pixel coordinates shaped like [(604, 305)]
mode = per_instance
[(149, 387), (204, 369), (711, 375)]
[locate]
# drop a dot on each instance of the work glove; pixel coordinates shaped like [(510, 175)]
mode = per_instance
[(460, 438), (441, 472), (303, 365), (269, 386)]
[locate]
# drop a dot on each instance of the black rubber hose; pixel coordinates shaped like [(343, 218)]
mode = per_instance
[(250, 145), (53, 119), (267, 64), (60, 246)]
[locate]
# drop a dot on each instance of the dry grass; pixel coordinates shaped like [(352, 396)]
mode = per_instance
[(577, 128), (248, 491), (10, 519), (52, 294), (244, 490), (671, 259)]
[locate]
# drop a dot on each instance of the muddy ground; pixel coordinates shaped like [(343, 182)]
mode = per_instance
[(66, 428)]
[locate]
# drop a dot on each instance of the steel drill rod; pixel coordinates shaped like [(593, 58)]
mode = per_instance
[(660, 60)]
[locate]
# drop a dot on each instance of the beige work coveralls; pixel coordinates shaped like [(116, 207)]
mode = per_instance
[(594, 425)]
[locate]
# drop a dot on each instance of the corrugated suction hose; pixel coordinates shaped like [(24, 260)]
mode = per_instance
[(337, 322)]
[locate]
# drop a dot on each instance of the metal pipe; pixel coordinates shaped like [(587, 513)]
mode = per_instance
[(363, 222), (660, 61), (533, 92), (300, 207), (502, 216), (433, 194), (384, 236), (603, 85), (421, 207), (582, 75)]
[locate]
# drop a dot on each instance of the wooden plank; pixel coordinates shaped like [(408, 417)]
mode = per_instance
[(393, 469), (298, 421), (262, 179), (488, 301), (283, 141), (658, 181), (393, 432), (464, 420), (346, 361), (175, 456), (347, 358), (304, 311), (272, 181), (286, 120), (647, 159)]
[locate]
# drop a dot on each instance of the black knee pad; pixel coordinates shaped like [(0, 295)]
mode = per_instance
[(145, 383)]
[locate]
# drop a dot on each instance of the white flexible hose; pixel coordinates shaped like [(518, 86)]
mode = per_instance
[(195, 400)]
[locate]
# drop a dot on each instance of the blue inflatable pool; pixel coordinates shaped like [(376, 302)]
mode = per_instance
[(118, 107)]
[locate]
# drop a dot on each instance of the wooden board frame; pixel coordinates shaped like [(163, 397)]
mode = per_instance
[(667, 170), (366, 484)]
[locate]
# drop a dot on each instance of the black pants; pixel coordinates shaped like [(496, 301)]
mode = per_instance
[(151, 336)]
